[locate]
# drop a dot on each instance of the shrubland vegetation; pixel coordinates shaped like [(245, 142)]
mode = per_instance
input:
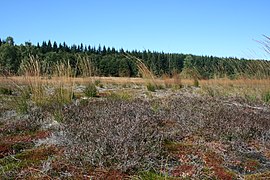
[(59, 120)]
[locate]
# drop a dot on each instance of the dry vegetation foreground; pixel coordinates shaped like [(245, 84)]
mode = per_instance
[(123, 130)]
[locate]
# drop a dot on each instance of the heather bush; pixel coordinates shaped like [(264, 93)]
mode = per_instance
[(220, 119), (30, 122), (128, 135), (118, 134)]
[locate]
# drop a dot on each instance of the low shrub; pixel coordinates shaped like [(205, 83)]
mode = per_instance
[(122, 135)]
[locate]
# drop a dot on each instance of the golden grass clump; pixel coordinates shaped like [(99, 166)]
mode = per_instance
[(145, 72)]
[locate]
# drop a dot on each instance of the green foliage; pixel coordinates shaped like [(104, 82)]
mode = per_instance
[(97, 82), (10, 58), (58, 115), (196, 82), (62, 96), (5, 91), (18, 147), (22, 102), (232, 68), (251, 97), (266, 96), (122, 95), (151, 87), (150, 175), (91, 90)]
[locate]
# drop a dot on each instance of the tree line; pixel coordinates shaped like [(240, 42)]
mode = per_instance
[(108, 61)]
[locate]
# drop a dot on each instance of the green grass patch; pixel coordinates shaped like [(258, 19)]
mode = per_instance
[(266, 96), (121, 95), (151, 175)]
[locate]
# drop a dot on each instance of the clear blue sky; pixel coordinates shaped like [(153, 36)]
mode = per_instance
[(201, 27)]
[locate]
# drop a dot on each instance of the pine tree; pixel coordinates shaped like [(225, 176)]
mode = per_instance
[(81, 47), (44, 47), (66, 48), (108, 50), (49, 46), (113, 50), (99, 49), (55, 48), (121, 51), (73, 48), (104, 51), (60, 47), (89, 49)]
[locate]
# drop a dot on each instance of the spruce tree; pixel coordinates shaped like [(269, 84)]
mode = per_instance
[(49, 46), (55, 48)]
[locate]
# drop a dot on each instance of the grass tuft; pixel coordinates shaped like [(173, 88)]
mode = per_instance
[(151, 87), (91, 90)]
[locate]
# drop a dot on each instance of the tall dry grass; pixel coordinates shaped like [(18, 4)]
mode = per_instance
[(85, 66), (58, 89), (64, 87), (37, 88), (31, 71), (147, 75), (250, 89)]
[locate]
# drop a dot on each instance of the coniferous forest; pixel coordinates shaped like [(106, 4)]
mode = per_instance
[(108, 61)]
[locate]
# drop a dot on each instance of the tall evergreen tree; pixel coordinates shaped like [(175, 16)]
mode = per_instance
[(99, 49), (44, 47), (89, 49), (113, 50), (55, 47), (81, 47), (104, 51), (49, 46), (61, 48)]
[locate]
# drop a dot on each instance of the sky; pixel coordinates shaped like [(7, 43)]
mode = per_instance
[(224, 28)]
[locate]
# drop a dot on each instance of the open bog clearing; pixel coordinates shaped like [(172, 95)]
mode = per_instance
[(134, 128)]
